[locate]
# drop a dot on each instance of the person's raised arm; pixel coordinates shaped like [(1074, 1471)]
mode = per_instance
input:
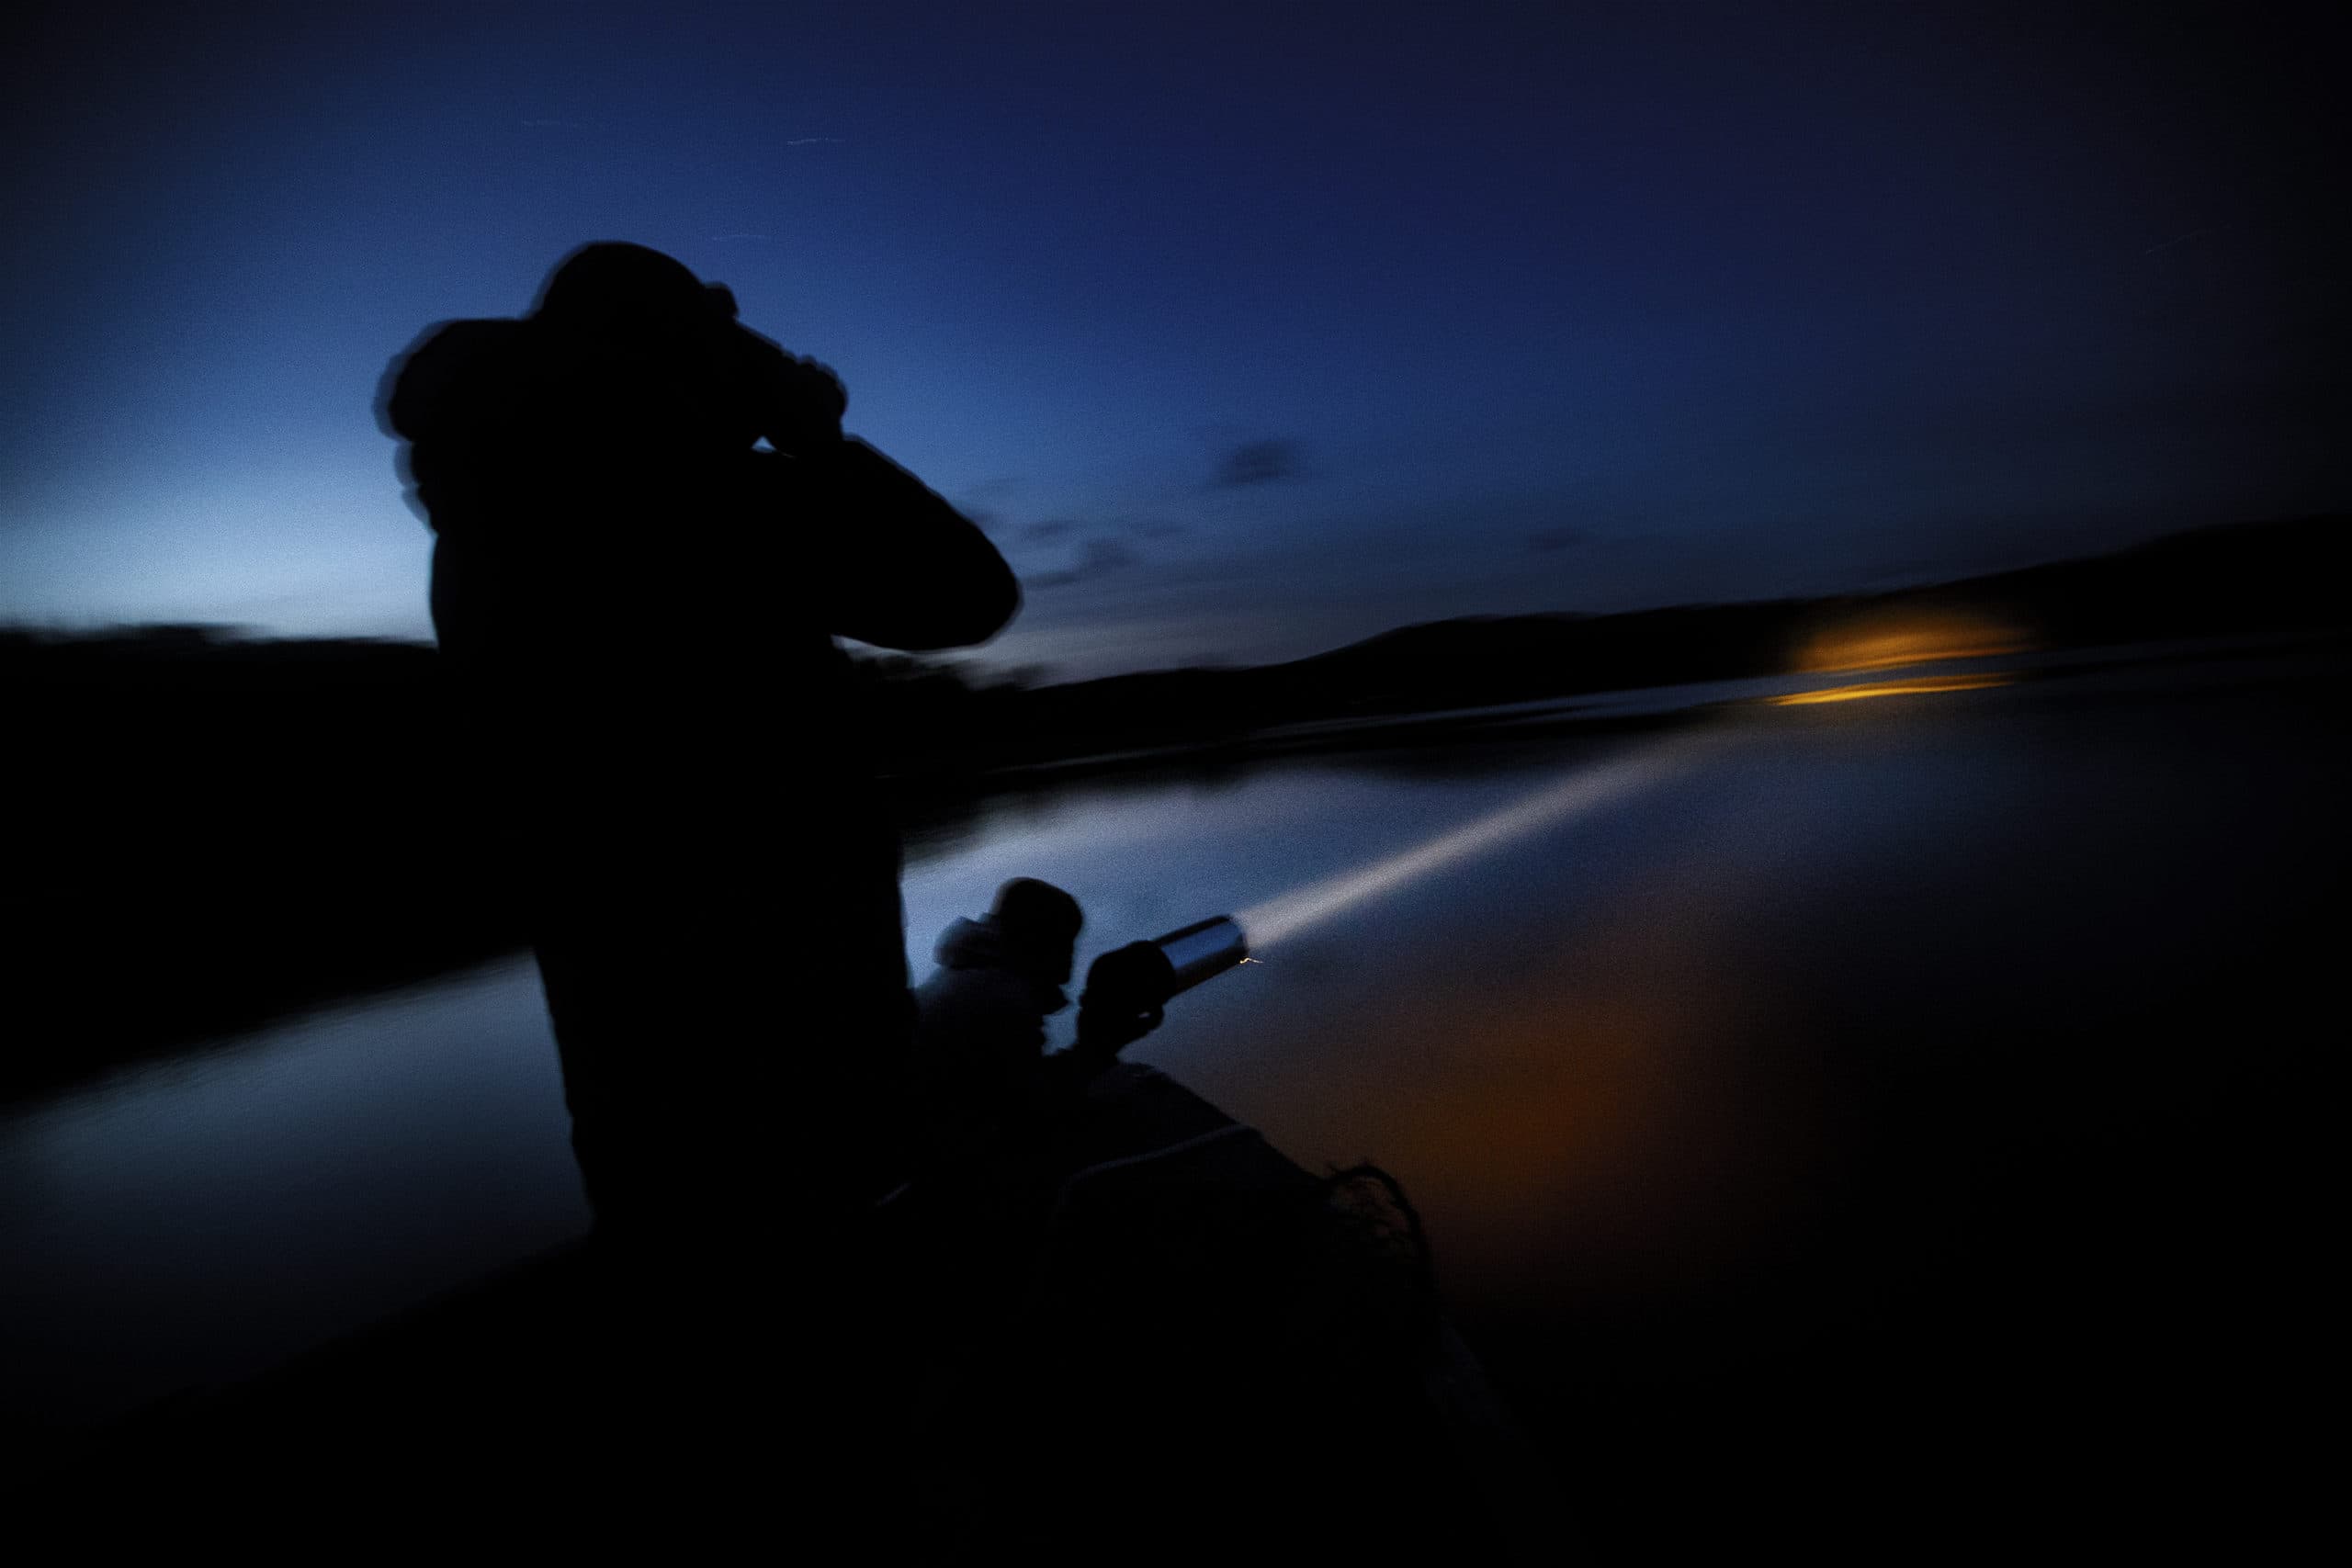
[(894, 564), (898, 567)]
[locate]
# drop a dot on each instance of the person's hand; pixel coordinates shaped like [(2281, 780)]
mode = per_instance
[(810, 401), (1123, 999), (1105, 1034), (801, 401)]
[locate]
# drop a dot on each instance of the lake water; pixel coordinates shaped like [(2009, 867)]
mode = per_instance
[(1587, 1043)]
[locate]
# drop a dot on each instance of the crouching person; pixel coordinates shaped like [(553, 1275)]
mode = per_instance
[(981, 1070), (981, 1019)]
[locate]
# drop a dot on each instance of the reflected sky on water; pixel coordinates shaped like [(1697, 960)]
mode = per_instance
[(1582, 1045)]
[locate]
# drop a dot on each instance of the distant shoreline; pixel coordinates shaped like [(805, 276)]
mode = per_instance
[(221, 832)]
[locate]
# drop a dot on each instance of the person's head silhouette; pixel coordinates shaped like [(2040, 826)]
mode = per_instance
[(613, 285), (1039, 924), (647, 355)]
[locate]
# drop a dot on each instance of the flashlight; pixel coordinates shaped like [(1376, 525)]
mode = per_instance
[(1126, 986), (1202, 951)]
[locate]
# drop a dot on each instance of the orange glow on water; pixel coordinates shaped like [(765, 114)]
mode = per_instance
[(1892, 689), (1890, 642), (1604, 1126)]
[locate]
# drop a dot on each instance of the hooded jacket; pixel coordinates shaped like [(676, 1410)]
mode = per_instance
[(980, 1017), (638, 609)]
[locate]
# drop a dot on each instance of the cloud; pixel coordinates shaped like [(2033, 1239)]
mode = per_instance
[(1056, 529), (1100, 558), (1257, 463)]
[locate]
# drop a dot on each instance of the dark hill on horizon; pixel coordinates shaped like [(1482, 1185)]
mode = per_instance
[(2227, 578)]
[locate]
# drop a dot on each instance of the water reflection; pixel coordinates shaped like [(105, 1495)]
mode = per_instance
[(1626, 1054), (1910, 686), (195, 1220), (198, 1219)]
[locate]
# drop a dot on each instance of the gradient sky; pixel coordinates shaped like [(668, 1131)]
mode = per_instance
[(1247, 330)]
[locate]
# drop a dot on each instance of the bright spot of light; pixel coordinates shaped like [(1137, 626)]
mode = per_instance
[(1890, 640), (1892, 689)]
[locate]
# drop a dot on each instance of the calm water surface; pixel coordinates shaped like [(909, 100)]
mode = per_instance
[(1583, 1050)]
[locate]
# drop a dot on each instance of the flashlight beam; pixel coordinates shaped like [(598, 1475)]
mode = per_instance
[(1589, 790)]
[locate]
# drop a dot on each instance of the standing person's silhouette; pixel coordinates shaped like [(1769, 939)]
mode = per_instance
[(639, 603)]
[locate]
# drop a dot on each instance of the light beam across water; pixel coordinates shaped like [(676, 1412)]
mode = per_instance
[(1588, 790)]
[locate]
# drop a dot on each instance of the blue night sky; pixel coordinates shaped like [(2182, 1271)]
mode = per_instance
[(1247, 329)]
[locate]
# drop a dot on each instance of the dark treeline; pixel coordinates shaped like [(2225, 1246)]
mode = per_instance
[(212, 830)]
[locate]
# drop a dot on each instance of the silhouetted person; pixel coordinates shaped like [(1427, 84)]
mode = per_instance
[(641, 605), (980, 1017), (981, 1067)]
